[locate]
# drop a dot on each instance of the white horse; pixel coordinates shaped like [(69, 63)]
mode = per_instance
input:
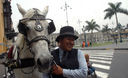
[(33, 42)]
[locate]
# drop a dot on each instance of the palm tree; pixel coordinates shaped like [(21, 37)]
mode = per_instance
[(113, 10), (91, 26), (121, 27), (106, 30)]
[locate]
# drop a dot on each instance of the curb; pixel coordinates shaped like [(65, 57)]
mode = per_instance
[(121, 49), (104, 49)]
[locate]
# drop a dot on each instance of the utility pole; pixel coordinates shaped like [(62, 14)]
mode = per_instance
[(66, 11), (79, 22), (83, 29)]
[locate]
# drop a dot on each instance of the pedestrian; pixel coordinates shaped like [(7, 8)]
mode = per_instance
[(70, 62), (83, 44), (88, 43)]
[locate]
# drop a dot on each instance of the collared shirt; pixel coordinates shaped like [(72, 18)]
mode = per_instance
[(77, 73)]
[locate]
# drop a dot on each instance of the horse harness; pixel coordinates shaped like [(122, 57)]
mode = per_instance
[(28, 62)]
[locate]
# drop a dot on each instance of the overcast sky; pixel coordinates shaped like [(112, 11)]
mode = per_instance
[(83, 10)]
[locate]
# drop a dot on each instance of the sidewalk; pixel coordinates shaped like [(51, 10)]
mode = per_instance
[(119, 46)]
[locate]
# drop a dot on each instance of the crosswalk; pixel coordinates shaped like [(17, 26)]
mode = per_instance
[(101, 60)]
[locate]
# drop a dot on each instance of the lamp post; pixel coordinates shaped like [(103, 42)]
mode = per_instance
[(79, 22), (66, 11), (83, 29), (119, 31)]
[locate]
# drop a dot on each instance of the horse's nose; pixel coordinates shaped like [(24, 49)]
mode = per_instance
[(45, 62)]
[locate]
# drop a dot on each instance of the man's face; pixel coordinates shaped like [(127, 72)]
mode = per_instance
[(67, 43)]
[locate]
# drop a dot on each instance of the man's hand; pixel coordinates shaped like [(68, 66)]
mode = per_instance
[(57, 70)]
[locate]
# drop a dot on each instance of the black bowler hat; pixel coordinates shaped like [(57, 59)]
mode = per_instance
[(66, 31)]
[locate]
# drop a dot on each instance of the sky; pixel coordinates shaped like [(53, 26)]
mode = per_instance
[(82, 10)]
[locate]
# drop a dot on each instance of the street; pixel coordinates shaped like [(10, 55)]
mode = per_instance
[(101, 60), (119, 64), (109, 63)]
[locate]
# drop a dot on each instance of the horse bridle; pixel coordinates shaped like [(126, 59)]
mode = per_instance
[(37, 39), (38, 28), (29, 47)]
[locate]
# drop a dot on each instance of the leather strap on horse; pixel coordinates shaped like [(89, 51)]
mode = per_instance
[(37, 39), (28, 62)]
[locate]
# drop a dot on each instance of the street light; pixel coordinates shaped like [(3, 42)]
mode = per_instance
[(119, 31), (66, 11), (83, 29), (79, 22)]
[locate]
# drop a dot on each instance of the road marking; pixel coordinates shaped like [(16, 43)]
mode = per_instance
[(102, 74), (101, 66), (100, 61), (102, 55), (105, 53), (101, 58)]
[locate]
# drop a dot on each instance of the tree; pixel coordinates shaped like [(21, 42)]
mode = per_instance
[(113, 10), (121, 27), (106, 31), (83, 29), (91, 26)]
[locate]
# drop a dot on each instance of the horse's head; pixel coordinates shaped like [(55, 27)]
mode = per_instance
[(35, 27)]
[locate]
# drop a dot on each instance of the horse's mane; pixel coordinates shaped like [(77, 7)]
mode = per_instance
[(20, 41), (31, 12), (20, 46)]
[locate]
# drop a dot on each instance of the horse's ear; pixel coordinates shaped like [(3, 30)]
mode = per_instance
[(45, 11), (22, 11), (51, 27)]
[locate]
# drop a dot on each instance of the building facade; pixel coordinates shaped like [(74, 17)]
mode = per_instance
[(98, 37)]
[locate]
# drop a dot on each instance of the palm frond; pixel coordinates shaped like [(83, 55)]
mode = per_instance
[(108, 10), (124, 11), (91, 25), (87, 28), (105, 28), (109, 15), (118, 5), (112, 5), (97, 29)]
